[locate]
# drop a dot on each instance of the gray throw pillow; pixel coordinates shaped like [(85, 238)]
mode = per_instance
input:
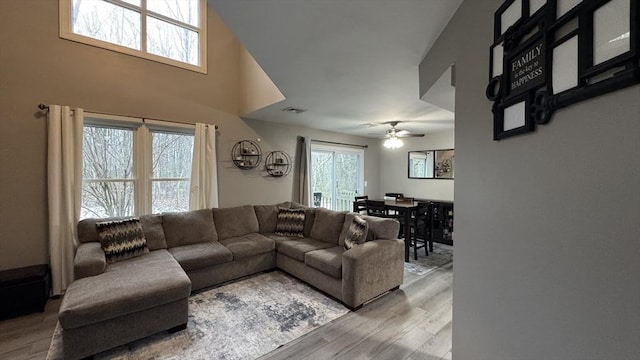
[(357, 233), (290, 222), (121, 239)]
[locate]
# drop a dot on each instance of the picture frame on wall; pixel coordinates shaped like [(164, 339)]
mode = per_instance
[(550, 54)]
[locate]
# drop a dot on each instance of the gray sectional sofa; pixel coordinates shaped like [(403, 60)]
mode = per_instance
[(112, 304)]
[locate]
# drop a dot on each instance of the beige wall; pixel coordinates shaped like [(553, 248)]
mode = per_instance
[(258, 90), (547, 254), (394, 167), (36, 66)]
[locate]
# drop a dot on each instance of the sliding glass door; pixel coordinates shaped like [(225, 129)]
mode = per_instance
[(336, 176)]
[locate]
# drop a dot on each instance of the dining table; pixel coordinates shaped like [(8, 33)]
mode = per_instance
[(404, 209)]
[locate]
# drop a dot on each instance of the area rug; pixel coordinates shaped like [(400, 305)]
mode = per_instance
[(440, 256), (241, 320)]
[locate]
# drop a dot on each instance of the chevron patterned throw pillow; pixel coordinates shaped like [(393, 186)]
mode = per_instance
[(290, 222), (122, 239), (357, 233)]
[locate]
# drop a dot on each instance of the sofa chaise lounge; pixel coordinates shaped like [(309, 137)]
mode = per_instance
[(112, 304)]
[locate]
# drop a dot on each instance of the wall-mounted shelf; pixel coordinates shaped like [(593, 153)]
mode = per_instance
[(246, 154), (277, 163)]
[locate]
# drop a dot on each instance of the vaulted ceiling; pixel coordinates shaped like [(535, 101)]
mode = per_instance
[(351, 64)]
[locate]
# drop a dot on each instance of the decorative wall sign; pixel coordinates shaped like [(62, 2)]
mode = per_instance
[(547, 55)]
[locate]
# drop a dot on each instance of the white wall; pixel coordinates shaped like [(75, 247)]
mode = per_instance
[(547, 254), (394, 168)]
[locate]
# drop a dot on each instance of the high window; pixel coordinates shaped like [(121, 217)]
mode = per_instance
[(168, 31), (131, 167)]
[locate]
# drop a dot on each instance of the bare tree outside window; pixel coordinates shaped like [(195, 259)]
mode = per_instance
[(172, 26), (107, 172), (172, 154), (107, 22), (109, 184)]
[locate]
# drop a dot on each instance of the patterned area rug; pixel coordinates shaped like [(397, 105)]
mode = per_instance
[(241, 320), (442, 255)]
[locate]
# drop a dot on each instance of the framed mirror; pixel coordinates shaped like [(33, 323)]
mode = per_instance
[(444, 165), (421, 164)]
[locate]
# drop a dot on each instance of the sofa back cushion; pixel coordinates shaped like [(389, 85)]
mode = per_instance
[(267, 218), (189, 227), (309, 219), (327, 225), (151, 226), (153, 231), (235, 221)]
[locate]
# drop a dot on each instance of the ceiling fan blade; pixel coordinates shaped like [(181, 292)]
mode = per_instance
[(410, 135)]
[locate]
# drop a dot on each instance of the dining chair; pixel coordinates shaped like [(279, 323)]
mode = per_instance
[(360, 205), (421, 228), (317, 199), (375, 208)]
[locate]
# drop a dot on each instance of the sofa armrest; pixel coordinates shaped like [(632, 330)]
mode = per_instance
[(370, 269), (89, 260)]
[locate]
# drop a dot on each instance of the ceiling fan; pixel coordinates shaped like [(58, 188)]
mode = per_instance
[(394, 134)]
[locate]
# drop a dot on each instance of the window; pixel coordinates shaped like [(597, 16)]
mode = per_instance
[(168, 31), (336, 176), (131, 167)]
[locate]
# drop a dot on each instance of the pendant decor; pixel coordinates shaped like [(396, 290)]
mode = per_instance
[(549, 54)]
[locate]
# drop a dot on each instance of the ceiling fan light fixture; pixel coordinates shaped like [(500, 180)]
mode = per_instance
[(393, 143)]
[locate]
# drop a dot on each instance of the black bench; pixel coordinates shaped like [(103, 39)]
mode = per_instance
[(24, 290)]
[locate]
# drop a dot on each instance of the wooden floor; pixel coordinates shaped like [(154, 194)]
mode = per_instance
[(28, 337), (411, 323)]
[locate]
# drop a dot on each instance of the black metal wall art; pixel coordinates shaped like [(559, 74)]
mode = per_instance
[(549, 54)]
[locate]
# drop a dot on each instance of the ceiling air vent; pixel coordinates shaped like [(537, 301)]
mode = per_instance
[(293, 110)]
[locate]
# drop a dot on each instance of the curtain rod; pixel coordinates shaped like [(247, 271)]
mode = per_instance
[(46, 108), (339, 143)]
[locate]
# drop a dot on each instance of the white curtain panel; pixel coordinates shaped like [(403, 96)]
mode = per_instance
[(304, 172), (204, 172), (64, 190)]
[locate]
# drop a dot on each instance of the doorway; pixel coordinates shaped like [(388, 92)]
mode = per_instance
[(337, 176)]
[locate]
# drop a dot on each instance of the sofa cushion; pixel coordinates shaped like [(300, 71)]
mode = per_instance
[(279, 239), (188, 227), (153, 231), (309, 219), (290, 222), (267, 218), (327, 225), (235, 221), (121, 239), (328, 261), (249, 245), (357, 232), (125, 287), (298, 247), (151, 225), (381, 228), (201, 255)]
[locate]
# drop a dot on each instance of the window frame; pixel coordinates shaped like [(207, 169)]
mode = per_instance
[(66, 32), (142, 151)]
